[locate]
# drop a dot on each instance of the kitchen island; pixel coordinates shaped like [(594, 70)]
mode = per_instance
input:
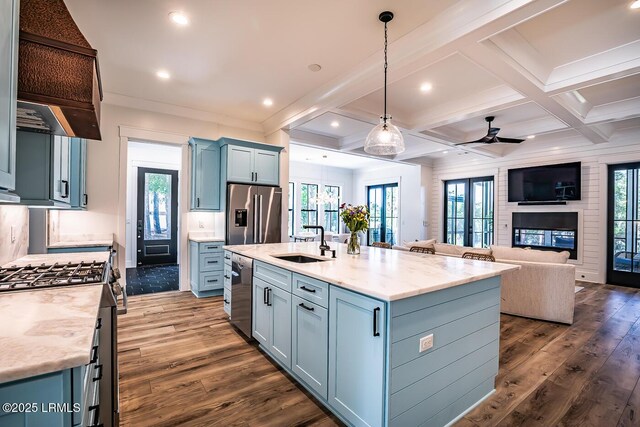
[(385, 338)]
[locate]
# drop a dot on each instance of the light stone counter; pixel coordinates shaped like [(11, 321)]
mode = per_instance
[(71, 257), (46, 330), (81, 240), (81, 244), (204, 236), (381, 273)]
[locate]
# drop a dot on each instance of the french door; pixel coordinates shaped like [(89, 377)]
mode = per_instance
[(468, 212), (383, 203), (623, 225)]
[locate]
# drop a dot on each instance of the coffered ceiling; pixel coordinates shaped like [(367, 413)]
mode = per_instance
[(549, 68)]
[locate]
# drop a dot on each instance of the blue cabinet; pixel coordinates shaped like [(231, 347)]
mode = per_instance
[(250, 163), (9, 15), (271, 323), (206, 268), (78, 167), (309, 341), (205, 175), (357, 349)]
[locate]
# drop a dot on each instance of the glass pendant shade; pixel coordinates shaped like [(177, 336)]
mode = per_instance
[(384, 139)]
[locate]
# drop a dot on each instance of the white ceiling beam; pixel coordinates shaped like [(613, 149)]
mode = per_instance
[(492, 62), (465, 22), (297, 135)]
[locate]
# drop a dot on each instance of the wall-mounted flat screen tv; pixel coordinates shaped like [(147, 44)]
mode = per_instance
[(547, 183)]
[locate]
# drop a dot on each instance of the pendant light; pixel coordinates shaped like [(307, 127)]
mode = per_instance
[(384, 139)]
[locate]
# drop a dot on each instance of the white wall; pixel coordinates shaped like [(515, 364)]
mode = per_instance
[(149, 155), (591, 209), (413, 182), (309, 173)]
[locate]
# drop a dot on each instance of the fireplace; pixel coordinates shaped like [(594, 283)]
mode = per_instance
[(547, 231)]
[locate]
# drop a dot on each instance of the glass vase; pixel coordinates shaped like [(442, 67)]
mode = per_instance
[(353, 244)]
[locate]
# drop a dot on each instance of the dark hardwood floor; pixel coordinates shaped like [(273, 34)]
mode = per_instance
[(181, 363)]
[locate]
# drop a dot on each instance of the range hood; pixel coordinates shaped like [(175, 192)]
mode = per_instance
[(59, 89)]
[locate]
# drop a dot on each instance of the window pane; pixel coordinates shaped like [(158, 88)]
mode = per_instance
[(157, 210)]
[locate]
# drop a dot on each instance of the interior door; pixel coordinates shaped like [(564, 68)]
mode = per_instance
[(623, 225), (157, 219)]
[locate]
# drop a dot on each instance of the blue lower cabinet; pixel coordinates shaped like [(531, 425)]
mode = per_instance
[(206, 268), (357, 350), (272, 320), (309, 341), (45, 400)]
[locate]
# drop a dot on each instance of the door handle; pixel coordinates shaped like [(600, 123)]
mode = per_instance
[(261, 238), (376, 313), (305, 307), (255, 218), (264, 295), (269, 297)]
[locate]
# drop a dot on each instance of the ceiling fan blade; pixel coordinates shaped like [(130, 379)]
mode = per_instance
[(493, 131), (509, 140), (480, 141)]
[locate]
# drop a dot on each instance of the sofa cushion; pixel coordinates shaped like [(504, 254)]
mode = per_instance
[(420, 243), (531, 255)]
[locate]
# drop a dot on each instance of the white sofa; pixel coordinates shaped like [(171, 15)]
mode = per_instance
[(543, 288)]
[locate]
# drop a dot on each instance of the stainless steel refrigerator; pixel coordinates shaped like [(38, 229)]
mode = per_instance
[(254, 214)]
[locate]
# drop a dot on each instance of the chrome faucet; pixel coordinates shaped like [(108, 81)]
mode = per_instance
[(323, 243)]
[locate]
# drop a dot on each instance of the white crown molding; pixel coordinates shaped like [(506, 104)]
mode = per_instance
[(111, 98)]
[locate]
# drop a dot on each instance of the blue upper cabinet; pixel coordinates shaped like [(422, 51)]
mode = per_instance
[(78, 183), (205, 175), (9, 12), (250, 163), (357, 353)]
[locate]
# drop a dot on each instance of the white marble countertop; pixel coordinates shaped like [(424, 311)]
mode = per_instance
[(81, 240), (204, 236), (381, 273), (71, 257), (46, 330), (81, 244)]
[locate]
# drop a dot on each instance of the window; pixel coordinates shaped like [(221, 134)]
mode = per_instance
[(308, 204), (292, 188), (332, 208), (469, 212), (383, 203)]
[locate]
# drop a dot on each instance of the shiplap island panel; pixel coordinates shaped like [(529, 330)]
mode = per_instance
[(366, 365)]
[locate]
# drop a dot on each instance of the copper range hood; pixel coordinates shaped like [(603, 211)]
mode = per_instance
[(59, 89)]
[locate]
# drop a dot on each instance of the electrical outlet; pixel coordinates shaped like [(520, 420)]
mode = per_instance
[(13, 233), (426, 343)]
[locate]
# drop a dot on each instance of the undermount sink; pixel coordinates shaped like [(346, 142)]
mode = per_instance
[(299, 258)]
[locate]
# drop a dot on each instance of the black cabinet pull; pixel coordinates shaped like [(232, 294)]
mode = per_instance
[(227, 257), (227, 277), (66, 189), (376, 331), (96, 415), (269, 297), (305, 307), (264, 295), (226, 301), (198, 202), (212, 262), (94, 354), (256, 176), (304, 288), (99, 376), (99, 323), (86, 199), (212, 280)]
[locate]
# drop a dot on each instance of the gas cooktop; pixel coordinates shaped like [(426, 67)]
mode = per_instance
[(47, 276)]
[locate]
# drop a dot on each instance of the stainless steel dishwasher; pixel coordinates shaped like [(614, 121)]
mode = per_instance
[(241, 293)]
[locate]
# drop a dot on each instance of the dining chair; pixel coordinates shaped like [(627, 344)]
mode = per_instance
[(422, 250), (479, 257), (383, 245)]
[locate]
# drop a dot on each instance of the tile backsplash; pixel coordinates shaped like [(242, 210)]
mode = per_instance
[(14, 233)]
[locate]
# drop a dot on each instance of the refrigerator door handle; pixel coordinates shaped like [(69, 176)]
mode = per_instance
[(255, 218), (261, 239)]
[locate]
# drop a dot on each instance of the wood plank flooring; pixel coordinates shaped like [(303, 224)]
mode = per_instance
[(181, 363)]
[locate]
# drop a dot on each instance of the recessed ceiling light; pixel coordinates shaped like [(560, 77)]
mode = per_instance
[(268, 102), (335, 124), (179, 18), (445, 152), (531, 136), (635, 5), (315, 67), (163, 74), (426, 87)]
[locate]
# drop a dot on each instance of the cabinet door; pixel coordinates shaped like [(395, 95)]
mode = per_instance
[(84, 197), (266, 167), (309, 343), (77, 182), (357, 336), (9, 11), (261, 313), (280, 343), (206, 185), (240, 164), (60, 185)]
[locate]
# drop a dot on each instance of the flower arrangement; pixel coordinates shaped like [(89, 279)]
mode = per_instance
[(356, 218)]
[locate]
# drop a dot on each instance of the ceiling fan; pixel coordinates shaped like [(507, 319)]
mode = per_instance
[(492, 136)]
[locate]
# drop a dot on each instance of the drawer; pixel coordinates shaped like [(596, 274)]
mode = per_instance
[(273, 275), (211, 262), (227, 257), (226, 301), (208, 247), (313, 290), (227, 275), (211, 281)]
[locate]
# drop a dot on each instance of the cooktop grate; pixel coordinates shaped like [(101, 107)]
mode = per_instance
[(46, 276)]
